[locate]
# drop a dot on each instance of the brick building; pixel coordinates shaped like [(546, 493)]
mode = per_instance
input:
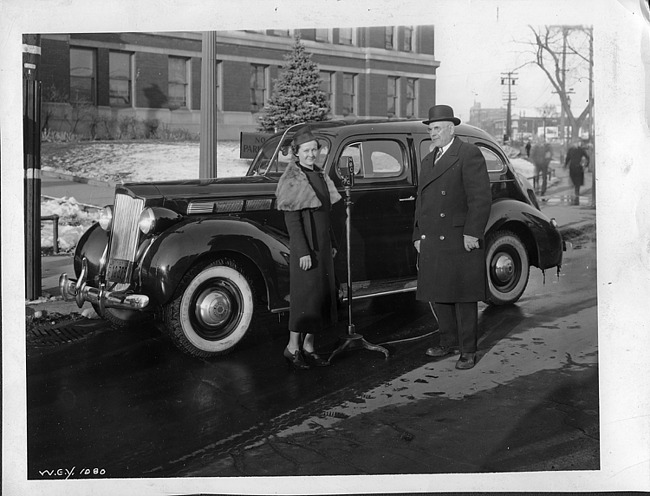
[(94, 81)]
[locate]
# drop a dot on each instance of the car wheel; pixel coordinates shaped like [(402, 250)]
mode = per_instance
[(507, 268), (211, 310), (123, 318)]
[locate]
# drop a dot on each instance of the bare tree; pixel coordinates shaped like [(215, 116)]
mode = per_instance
[(565, 55)]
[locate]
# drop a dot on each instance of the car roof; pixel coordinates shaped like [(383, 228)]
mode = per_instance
[(343, 128)]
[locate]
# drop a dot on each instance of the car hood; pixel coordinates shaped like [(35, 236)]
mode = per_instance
[(228, 187), (178, 195)]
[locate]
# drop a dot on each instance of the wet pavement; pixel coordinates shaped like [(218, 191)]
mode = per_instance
[(128, 403)]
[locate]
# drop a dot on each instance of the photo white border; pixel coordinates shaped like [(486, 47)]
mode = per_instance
[(622, 80)]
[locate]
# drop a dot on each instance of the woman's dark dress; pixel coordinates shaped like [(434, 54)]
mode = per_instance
[(312, 292)]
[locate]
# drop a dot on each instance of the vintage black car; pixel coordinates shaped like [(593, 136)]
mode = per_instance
[(202, 257)]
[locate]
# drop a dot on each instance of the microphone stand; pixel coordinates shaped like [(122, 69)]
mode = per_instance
[(352, 339)]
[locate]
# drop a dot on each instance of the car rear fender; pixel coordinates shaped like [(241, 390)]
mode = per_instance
[(543, 241), (261, 250)]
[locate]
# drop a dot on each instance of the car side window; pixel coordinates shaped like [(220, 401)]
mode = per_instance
[(377, 160)]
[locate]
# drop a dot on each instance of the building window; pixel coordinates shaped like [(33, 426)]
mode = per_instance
[(280, 32), (323, 35), (119, 75), (345, 36), (327, 85), (83, 76), (349, 94), (408, 39), (390, 38), (178, 82), (258, 86), (411, 98), (392, 93)]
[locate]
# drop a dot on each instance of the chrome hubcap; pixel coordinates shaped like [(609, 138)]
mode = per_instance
[(213, 308), (504, 268)]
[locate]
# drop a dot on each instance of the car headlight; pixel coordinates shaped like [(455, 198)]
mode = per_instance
[(106, 218), (157, 219), (147, 222)]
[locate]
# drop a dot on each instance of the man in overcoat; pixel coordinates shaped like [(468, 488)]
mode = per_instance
[(452, 210)]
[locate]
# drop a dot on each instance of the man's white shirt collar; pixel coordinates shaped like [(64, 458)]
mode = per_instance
[(446, 147)]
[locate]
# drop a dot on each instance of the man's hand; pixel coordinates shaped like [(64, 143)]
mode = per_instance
[(305, 262), (416, 243), (471, 242)]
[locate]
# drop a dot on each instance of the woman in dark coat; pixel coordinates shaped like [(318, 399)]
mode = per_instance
[(306, 196)]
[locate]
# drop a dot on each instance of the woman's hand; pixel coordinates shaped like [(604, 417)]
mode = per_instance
[(305, 262)]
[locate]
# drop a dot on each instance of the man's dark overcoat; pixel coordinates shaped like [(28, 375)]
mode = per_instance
[(454, 198), (574, 161)]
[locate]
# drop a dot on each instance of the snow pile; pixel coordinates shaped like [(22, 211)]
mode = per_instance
[(74, 220), (523, 167)]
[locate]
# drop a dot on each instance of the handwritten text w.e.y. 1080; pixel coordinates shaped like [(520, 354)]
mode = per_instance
[(70, 472)]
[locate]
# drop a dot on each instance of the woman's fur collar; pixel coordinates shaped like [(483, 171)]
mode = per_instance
[(295, 193)]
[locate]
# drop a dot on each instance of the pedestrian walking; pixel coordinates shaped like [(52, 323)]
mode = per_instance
[(306, 196), (452, 210), (528, 145), (541, 154), (577, 159)]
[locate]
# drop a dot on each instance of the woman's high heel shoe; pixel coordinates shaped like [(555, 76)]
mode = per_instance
[(313, 359), (295, 359)]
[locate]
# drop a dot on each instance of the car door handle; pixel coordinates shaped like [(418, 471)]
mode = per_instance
[(410, 198)]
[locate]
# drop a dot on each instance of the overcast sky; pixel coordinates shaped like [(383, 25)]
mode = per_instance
[(474, 54)]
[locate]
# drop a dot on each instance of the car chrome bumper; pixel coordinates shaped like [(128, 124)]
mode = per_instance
[(78, 290)]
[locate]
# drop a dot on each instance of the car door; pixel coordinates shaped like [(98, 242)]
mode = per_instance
[(383, 206)]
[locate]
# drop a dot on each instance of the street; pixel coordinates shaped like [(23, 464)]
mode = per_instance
[(108, 403)]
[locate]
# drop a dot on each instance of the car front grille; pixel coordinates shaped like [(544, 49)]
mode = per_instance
[(124, 238)]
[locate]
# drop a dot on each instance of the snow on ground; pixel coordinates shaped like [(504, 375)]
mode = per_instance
[(139, 161), (134, 162)]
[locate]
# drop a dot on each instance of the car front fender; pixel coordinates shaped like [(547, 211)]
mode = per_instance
[(193, 241), (542, 239), (91, 246)]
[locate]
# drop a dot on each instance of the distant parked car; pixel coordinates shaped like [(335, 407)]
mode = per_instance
[(202, 257)]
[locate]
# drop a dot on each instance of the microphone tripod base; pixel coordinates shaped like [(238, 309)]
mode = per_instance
[(353, 341)]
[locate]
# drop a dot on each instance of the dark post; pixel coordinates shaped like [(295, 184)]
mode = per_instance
[(32, 163), (208, 138)]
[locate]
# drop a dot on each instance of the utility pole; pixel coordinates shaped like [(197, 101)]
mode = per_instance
[(32, 163), (509, 79), (208, 138)]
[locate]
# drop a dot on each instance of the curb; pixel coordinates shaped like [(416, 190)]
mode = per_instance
[(78, 179)]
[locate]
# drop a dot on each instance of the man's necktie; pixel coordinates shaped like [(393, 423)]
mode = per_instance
[(436, 155)]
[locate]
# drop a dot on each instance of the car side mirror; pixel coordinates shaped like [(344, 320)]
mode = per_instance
[(345, 170)]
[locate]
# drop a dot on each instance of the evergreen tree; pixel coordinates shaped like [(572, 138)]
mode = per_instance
[(297, 94)]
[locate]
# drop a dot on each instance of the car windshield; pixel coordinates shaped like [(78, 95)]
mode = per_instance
[(265, 164)]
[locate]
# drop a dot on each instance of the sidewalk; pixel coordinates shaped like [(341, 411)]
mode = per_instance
[(555, 204)]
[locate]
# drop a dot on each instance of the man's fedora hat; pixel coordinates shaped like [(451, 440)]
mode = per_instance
[(442, 113)]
